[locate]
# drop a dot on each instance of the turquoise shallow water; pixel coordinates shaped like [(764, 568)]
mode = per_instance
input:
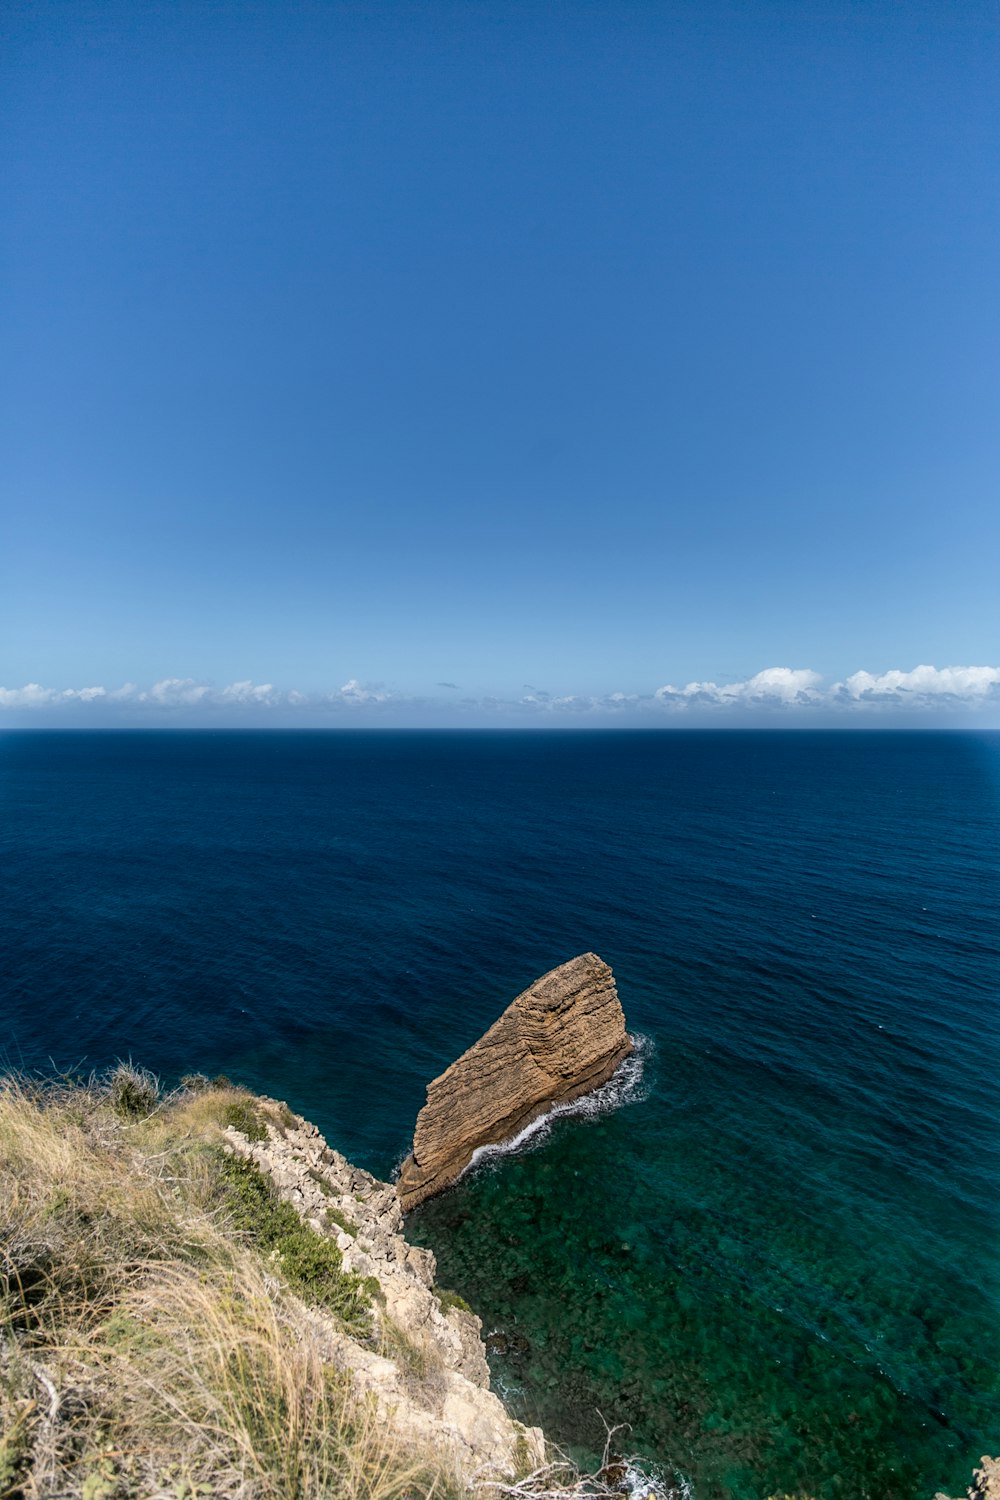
[(777, 1257)]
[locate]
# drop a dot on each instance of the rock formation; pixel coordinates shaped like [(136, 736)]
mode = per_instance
[(436, 1395), (558, 1040), (985, 1481)]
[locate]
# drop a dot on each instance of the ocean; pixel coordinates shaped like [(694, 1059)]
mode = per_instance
[(772, 1246)]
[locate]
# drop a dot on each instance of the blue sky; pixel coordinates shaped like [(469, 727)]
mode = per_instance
[(477, 362)]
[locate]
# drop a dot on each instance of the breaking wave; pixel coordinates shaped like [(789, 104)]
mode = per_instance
[(643, 1481), (625, 1086)]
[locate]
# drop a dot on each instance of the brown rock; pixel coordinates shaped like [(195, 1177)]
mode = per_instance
[(558, 1040)]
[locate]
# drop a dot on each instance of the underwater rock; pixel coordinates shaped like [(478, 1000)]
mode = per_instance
[(561, 1038)]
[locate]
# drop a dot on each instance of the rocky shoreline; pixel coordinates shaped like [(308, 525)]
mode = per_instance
[(433, 1382), (201, 1297)]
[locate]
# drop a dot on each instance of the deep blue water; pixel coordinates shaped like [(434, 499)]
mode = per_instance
[(779, 1261)]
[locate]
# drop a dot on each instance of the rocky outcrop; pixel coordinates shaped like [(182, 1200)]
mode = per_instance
[(558, 1040), (426, 1368), (985, 1481)]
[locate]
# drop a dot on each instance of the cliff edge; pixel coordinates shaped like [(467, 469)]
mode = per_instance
[(562, 1037), (198, 1296), (427, 1374)]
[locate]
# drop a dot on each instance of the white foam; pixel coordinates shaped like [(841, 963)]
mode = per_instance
[(623, 1087), (647, 1482)]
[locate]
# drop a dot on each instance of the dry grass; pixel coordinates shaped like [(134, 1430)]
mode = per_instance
[(146, 1349), (151, 1341), (418, 1360)]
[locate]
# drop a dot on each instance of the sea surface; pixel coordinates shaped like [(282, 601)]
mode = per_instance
[(773, 1247)]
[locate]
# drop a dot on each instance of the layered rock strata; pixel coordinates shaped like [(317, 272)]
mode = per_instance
[(446, 1407), (561, 1038)]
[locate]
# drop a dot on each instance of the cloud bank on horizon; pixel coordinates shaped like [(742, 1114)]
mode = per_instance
[(782, 694)]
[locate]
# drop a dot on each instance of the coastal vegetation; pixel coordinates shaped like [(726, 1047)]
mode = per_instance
[(155, 1300), (169, 1325), (447, 1298)]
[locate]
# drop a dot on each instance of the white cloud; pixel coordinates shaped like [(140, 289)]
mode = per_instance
[(168, 693), (923, 686), (32, 695), (785, 691), (355, 692), (248, 692), (175, 692), (773, 687)]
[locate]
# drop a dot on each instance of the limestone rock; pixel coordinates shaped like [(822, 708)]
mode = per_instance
[(450, 1410), (985, 1481), (561, 1038)]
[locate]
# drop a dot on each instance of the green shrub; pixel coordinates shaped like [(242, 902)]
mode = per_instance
[(126, 1335), (133, 1093), (335, 1216), (311, 1263), (255, 1206), (320, 1182), (243, 1115), (449, 1299), (373, 1287), (286, 1119)]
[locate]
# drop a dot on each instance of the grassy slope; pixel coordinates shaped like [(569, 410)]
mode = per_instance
[(156, 1338), (153, 1337)]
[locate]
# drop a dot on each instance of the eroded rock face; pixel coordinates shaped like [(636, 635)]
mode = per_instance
[(561, 1038), (449, 1409)]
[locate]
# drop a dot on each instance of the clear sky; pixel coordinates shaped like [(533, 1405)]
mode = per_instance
[(499, 360)]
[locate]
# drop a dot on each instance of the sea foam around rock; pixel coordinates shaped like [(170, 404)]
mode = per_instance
[(625, 1086)]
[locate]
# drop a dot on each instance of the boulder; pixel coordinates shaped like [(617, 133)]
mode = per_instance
[(561, 1038)]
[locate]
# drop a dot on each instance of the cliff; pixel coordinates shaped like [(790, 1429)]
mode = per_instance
[(199, 1297), (562, 1037), (427, 1372)]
